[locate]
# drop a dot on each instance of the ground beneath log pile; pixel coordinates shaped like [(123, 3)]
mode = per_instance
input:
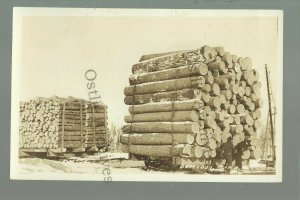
[(117, 163)]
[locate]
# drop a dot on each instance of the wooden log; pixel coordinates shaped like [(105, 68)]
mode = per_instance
[(237, 119), (225, 136), (234, 58), (214, 102), (198, 151), (206, 88), (256, 88), (99, 128), (247, 91), (250, 79), (67, 121), (236, 129), (179, 95), (258, 113), (207, 109), (240, 109), (96, 110), (222, 99), (201, 139), (165, 86), (69, 128), (78, 138), (213, 153), (96, 115), (220, 51), (242, 63), (212, 144), (202, 114), (97, 123), (175, 116), (218, 136), (248, 63), (220, 116), (218, 58), (215, 74), (247, 119), (164, 127), (209, 79), (215, 89), (218, 65), (236, 67), (231, 109), (245, 75), (210, 123), (249, 131), (84, 132), (188, 150), (227, 58), (157, 64), (207, 153), (157, 150), (226, 105), (151, 56), (226, 93), (157, 138), (234, 88), (223, 124), (258, 103), (241, 92), (253, 115), (256, 74), (254, 97), (257, 124), (194, 104), (195, 69), (76, 109), (85, 116), (222, 83), (212, 114), (208, 53), (201, 124)]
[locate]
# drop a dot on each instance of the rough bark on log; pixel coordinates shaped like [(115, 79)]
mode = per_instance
[(175, 116), (157, 138), (178, 95), (164, 127), (156, 150), (151, 56), (195, 69), (194, 104), (167, 62), (165, 86)]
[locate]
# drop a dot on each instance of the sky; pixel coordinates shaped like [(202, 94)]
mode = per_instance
[(56, 51)]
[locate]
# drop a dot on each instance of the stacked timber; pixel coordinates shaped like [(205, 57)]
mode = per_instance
[(53, 123), (188, 103)]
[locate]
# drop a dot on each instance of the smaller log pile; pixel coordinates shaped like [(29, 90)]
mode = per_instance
[(188, 103), (53, 123)]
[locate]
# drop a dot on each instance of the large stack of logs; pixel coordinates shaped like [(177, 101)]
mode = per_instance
[(188, 103), (51, 123)]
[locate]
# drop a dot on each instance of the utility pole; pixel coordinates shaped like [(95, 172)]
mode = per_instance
[(271, 115)]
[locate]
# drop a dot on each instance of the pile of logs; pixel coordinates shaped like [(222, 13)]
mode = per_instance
[(188, 103), (53, 123)]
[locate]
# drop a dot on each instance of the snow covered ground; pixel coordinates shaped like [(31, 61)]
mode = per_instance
[(110, 163)]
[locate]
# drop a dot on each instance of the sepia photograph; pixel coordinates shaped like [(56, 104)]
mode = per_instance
[(159, 95)]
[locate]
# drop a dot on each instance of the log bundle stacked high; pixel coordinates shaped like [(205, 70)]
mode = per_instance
[(188, 103), (53, 123)]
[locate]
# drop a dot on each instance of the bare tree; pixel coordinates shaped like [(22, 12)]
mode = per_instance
[(114, 137)]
